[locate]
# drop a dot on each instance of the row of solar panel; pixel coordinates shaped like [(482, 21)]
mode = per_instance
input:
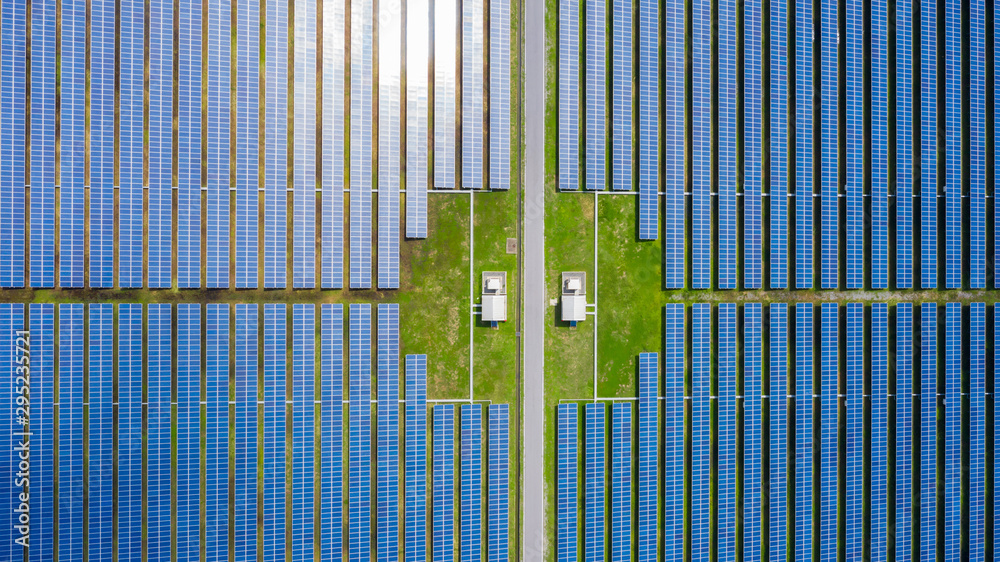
[(876, 250), (49, 349), (156, 222), (854, 359)]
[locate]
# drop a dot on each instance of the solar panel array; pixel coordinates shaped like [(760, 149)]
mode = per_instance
[(498, 491), (217, 438), (13, 24), (248, 142), (304, 165), (415, 543), (102, 144), (471, 501), (159, 170), (701, 420), (217, 144), (387, 483), (417, 108), (43, 138), (72, 86), (854, 155), (701, 145), (17, 345), (595, 96), (189, 142), (303, 430), (828, 447), (389, 143), (752, 470), (188, 456), (100, 469), (594, 477), (443, 498), (778, 395), (472, 93), (928, 492)]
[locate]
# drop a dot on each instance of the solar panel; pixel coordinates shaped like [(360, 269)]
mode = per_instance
[(804, 431), (445, 67), (443, 524), (361, 144), (415, 528), (43, 428), (594, 476), (303, 429), (73, 63), (855, 151), (726, 424), (778, 190), (472, 93), (130, 477), (879, 422), (100, 442), (879, 57), (752, 143), (188, 491), (953, 431), (359, 447), (275, 140), (304, 175), (17, 348), (334, 59), (500, 105), (751, 484), (621, 482), (217, 240), (217, 438), (673, 429), (777, 433), (387, 486), (648, 455), (245, 489), (498, 527), (189, 138), (567, 482), (70, 427), (418, 25), (621, 95), (701, 147), (596, 86), (102, 144), (673, 132), (829, 148), (977, 428), (928, 430), (472, 476), (160, 110), (701, 419), (331, 480), (569, 94), (804, 35), (829, 368), (274, 433), (247, 137), (855, 446), (389, 144), (904, 144), (977, 145), (43, 136), (953, 188), (159, 372), (928, 145), (996, 423), (726, 136), (13, 23), (904, 430)]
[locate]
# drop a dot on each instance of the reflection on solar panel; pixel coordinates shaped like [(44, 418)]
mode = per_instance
[(879, 423), (188, 499), (673, 430), (217, 439), (829, 78), (569, 95), (828, 432), (500, 105), (158, 421), (304, 178), (904, 148), (275, 138), (621, 92), (71, 138), (804, 35), (726, 135), (701, 418), (387, 485), (472, 476), (389, 145), (217, 244), (102, 144), (497, 545), (418, 25), (331, 432), (953, 431), (594, 50), (593, 502), (334, 24), (649, 130), (977, 428), (445, 67), (274, 433), (245, 504), (444, 483), (13, 22), (953, 154), (751, 485), (130, 477), (70, 426), (778, 404), (928, 431), (752, 142), (726, 467), (303, 424), (18, 348), (160, 135), (804, 430), (567, 483), (928, 146), (189, 139), (879, 149), (854, 472), (361, 144), (904, 429), (977, 147), (472, 94), (247, 149), (43, 136), (415, 548), (43, 428), (100, 443), (778, 199), (701, 146), (621, 482), (359, 448), (854, 127)]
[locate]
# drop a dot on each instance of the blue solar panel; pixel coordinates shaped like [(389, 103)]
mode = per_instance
[(778, 192), (977, 145), (415, 546), (158, 421), (648, 489), (217, 240), (73, 63), (953, 188), (245, 489), (567, 483), (361, 144), (471, 502), (673, 132), (977, 428), (304, 174), (879, 56), (247, 141), (569, 95), (13, 23), (829, 148), (498, 528), (189, 138), (904, 430), (727, 137), (726, 440), (418, 25), (751, 485), (160, 111), (621, 482), (953, 431), (389, 143), (829, 367), (359, 448), (752, 143), (472, 93), (854, 130), (596, 86), (443, 525), (102, 144), (100, 443), (70, 427), (701, 418), (996, 426), (217, 438), (879, 422), (854, 462), (188, 491), (43, 428), (387, 485), (804, 35), (673, 430), (303, 429), (928, 145), (333, 145), (778, 433), (928, 431), (804, 431), (274, 433), (331, 540), (130, 477), (621, 95), (43, 135), (701, 146), (275, 140), (500, 103), (594, 477), (904, 144), (17, 348), (445, 84)]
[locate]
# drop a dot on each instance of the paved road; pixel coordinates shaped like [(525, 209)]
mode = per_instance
[(535, 306)]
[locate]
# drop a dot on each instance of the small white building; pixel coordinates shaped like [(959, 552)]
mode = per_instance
[(574, 297), (494, 296)]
